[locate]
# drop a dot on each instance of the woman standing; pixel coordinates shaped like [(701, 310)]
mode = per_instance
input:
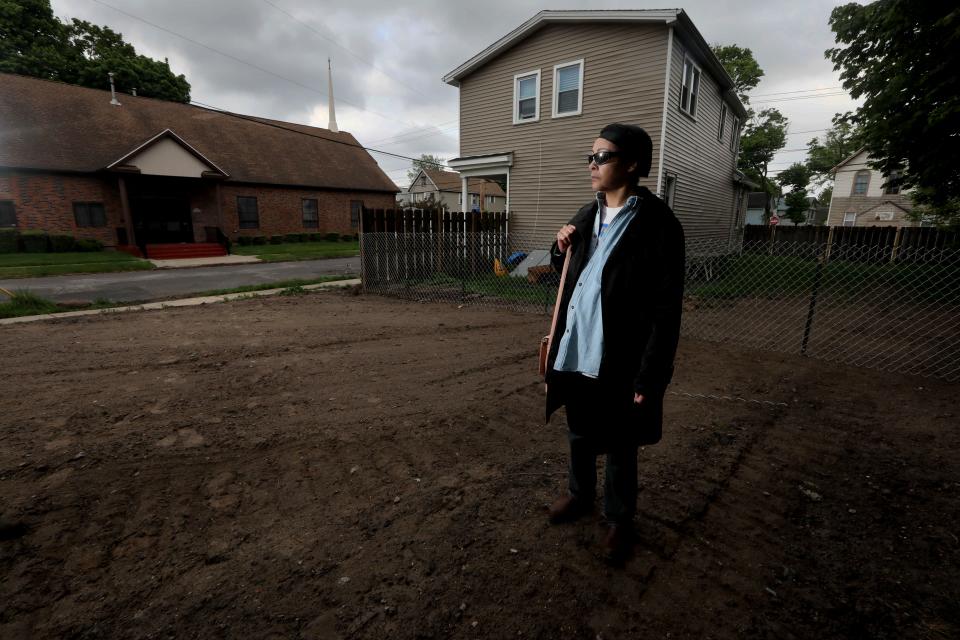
[(611, 357)]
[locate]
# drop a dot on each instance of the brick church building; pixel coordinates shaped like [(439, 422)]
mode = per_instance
[(149, 172)]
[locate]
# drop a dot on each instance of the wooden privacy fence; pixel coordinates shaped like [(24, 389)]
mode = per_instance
[(416, 244), (859, 244)]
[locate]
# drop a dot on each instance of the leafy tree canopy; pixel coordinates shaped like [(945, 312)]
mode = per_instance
[(797, 205), (741, 66), (901, 57), (841, 141), (36, 43), (796, 175), (765, 133)]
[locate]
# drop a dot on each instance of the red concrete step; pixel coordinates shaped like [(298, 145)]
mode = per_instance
[(184, 251)]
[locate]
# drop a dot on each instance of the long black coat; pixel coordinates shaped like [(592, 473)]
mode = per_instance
[(641, 299)]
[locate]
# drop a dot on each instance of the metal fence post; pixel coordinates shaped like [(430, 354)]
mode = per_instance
[(817, 277)]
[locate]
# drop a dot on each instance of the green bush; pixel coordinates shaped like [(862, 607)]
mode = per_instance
[(295, 237), (276, 239), (259, 240), (9, 240), (346, 238), (316, 237), (34, 241), (332, 237), (356, 236), (89, 245), (244, 241), (62, 244)]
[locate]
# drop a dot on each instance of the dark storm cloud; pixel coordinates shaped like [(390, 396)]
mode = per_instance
[(389, 57)]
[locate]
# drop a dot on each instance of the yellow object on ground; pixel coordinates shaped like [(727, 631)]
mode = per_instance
[(498, 268)]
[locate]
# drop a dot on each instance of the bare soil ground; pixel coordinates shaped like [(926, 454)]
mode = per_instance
[(335, 466)]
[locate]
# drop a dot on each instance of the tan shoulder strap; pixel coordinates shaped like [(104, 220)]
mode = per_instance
[(556, 306)]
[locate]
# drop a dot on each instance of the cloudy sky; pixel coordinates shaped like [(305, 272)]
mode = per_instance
[(268, 58)]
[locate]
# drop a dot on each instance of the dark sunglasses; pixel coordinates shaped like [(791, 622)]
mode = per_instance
[(601, 157)]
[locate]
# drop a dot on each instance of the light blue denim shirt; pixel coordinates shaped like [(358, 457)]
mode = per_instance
[(581, 346)]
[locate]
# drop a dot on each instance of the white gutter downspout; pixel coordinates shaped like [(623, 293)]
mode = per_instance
[(663, 123)]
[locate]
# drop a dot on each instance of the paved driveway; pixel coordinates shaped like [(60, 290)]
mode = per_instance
[(154, 285)]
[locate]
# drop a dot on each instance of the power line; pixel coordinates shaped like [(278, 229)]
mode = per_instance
[(355, 55), (416, 133), (794, 98), (780, 93), (242, 61)]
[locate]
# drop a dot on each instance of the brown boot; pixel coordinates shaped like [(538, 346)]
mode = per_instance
[(568, 509), (618, 543)]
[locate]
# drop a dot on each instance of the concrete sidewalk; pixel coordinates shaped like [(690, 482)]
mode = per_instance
[(182, 302), (133, 286)]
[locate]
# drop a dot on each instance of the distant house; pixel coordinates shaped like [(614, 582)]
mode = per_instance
[(444, 189), (532, 103), (814, 214), (148, 171), (757, 202), (863, 197)]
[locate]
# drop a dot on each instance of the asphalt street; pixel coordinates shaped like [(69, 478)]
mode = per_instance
[(169, 283)]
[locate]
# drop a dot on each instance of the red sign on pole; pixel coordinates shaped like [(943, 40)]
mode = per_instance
[(774, 220)]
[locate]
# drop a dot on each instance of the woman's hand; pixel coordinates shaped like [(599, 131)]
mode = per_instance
[(637, 398), (564, 237)]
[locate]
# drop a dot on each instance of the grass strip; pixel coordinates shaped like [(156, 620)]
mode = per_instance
[(26, 303), (293, 251)]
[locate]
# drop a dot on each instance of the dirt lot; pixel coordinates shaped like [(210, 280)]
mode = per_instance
[(336, 466)]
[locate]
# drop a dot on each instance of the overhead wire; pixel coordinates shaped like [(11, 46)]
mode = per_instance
[(246, 62)]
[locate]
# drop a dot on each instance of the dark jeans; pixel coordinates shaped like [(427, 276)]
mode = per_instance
[(593, 430)]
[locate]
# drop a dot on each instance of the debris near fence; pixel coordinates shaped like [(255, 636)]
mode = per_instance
[(891, 302)]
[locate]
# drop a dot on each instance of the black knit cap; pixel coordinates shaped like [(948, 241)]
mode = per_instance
[(633, 142)]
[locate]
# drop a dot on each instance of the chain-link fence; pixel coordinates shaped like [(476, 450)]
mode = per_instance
[(872, 306)]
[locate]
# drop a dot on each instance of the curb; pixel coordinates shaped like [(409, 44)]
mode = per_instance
[(182, 302)]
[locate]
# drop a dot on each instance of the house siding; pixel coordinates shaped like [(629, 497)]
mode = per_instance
[(623, 81), (706, 199), (866, 206)]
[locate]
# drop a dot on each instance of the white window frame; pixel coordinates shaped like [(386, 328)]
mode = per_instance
[(556, 87), (670, 189), (735, 134), (698, 81), (723, 120), (516, 97), (866, 186), (851, 217)]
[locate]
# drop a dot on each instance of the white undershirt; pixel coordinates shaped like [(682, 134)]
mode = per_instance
[(608, 215)]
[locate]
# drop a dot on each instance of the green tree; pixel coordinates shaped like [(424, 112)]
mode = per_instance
[(426, 161), (797, 206), (901, 58), (34, 42), (825, 152), (797, 177), (104, 51), (741, 66), (764, 135)]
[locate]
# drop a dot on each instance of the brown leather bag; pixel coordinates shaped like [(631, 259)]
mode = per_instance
[(547, 340)]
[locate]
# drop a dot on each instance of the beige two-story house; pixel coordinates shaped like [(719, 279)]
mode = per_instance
[(533, 102), (864, 197), (443, 189)]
